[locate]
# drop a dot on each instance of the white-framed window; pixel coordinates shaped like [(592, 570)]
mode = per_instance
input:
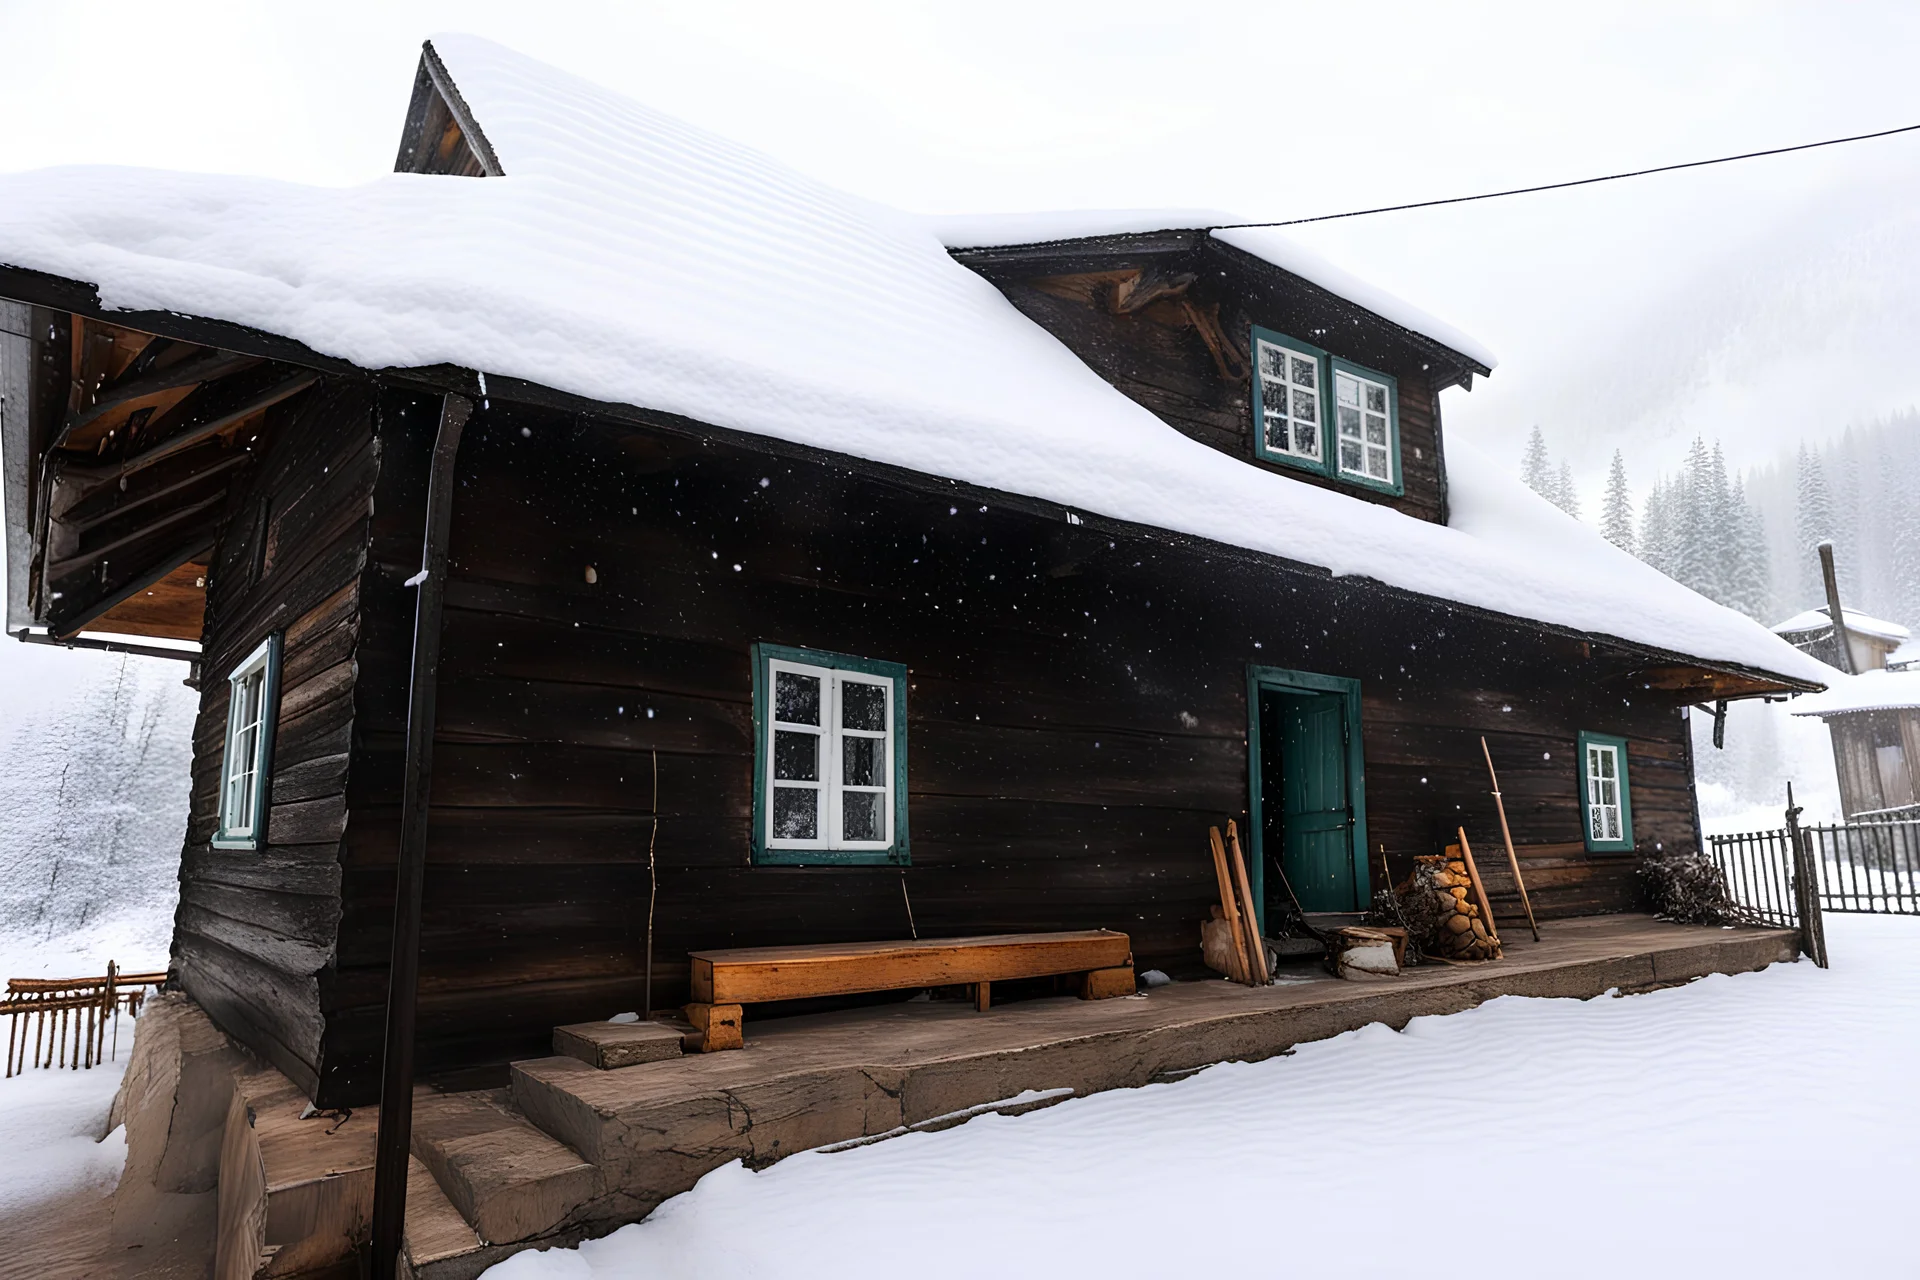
[(246, 764), (1291, 415), (1364, 423), (830, 757), (1608, 800)]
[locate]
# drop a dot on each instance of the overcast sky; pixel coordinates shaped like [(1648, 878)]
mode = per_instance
[(1759, 303)]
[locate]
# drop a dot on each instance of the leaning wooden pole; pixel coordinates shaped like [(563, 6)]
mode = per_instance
[(1257, 972), (1237, 952), (1479, 890), (1513, 860), (394, 1141)]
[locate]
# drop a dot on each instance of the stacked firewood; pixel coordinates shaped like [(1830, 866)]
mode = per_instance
[(1437, 901)]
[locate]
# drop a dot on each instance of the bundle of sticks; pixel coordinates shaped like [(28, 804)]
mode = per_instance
[(68, 1019), (1246, 953)]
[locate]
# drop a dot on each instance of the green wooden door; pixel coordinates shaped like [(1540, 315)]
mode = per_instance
[(1315, 812)]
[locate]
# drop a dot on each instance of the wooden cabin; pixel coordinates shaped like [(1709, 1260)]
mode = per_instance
[(1871, 642), (958, 592), (1872, 716)]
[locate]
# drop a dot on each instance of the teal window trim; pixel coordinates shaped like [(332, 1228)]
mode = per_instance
[(1619, 745), (1327, 464), (1259, 678), (1261, 450), (1394, 486), (244, 801), (896, 853)]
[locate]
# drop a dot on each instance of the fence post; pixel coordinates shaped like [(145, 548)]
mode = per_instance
[(1806, 888)]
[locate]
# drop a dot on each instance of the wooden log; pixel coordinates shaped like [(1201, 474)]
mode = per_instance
[(1479, 890), (1513, 860), (1242, 965), (1257, 949), (982, 996), (1105, 984)]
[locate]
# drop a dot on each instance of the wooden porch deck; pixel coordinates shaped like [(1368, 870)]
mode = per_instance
[(651, 1131), (572, 1151)]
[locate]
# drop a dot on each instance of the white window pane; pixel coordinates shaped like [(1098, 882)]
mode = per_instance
[(1273, 363), (1376, 399), (796, 813), (1349, 455), (863, 815), (1306, 373), (863, 762), (1378, 465), (863, 706), (796, 697), (796, 756), (1306, 406), (1346, 390), (1349, 422), (1376, 429), (1306, 439)]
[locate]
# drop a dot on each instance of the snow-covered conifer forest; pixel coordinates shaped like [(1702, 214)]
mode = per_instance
[(1746, 539)]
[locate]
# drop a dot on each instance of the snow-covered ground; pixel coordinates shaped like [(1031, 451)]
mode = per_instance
[(53, 1120), (1760, 1125)]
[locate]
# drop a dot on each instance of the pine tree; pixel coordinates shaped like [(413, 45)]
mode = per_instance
[(1812, 526), (1565, 496), (1616, 513), (1535, 468), (1656, 528), (1903, 534), (1749, 583)]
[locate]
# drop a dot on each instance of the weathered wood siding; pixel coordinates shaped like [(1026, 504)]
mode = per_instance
[(255, 930), (1077, 717)]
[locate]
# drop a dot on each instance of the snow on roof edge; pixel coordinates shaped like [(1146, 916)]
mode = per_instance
[(1868, 691), (1865, 624)]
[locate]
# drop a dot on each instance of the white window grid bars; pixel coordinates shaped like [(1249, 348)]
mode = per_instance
[(246, 725), (1603, 792), (1363, 420), (1290, 401), (830, 737)]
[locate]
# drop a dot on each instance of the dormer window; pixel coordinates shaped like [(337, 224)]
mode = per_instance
[(1290, 414), (1287, 406)]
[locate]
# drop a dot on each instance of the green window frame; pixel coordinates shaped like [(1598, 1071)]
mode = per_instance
[(1315, 412), (1606, 794), (246, 760), (829, 759)]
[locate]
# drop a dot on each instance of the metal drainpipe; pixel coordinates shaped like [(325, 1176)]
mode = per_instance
[(395, 1139), (1840, 633)]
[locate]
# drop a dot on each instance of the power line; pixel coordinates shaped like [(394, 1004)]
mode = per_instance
[(1577, 182)]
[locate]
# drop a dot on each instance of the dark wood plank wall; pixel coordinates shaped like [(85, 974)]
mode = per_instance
[(255, 931), (1077, 717), (1157, 358)]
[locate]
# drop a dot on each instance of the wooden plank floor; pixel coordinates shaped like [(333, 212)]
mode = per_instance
[(824, 1079)]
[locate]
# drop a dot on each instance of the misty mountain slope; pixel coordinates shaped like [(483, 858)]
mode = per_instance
[(95, 751)]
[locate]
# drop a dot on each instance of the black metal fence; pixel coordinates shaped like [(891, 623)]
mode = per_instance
[(1868, 867)]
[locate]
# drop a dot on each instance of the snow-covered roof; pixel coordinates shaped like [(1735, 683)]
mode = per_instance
[(628, 257), (1868, 691), (999, 230), (1820, 620)]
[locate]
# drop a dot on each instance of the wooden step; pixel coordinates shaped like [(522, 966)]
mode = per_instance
[(612, 1045), (510, 1180)]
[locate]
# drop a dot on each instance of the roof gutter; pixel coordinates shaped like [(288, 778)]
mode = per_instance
[(394, 1141)]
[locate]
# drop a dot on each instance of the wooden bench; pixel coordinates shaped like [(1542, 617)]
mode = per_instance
[(723, 981)]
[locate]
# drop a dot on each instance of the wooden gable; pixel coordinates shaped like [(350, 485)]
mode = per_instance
[(1168, 319)]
